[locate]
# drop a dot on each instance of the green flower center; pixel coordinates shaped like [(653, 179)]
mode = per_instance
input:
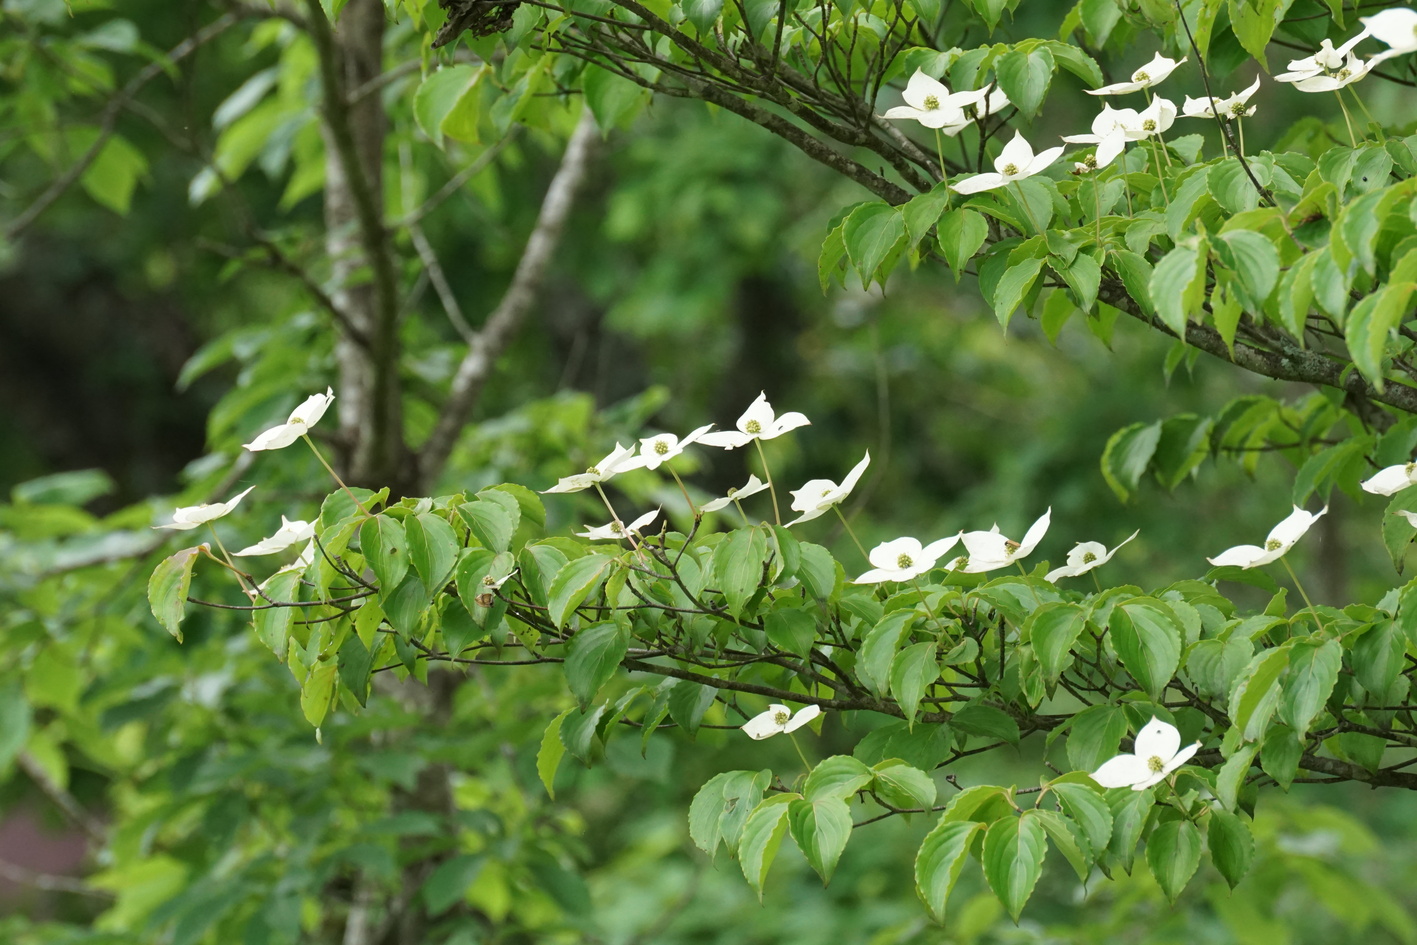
[(960, 563), (1409, 469), (617, 528), (1274, 544), (1141, 76), (661, 447), (1343, 74), (592, 471), (1088, 557), (931, 103), (1238, 109), (1091, 161), (1148, 125), (1156, 764), (904, 561), (732, 492), (1010, 170), (753, 426), (826, 492), (489, 581), (781, 717)]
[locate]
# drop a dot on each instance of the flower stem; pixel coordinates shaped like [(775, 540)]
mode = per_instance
[(1302, 593), (318, 455), (1160, 178), (1240, 130), (1097, 202), (1367, 114), (800, 754), (692, 509), (926, 604), (940, 153), (1347, 119), (844, 522), (741, 512), (225, 560), (615, 517), (767, 474)]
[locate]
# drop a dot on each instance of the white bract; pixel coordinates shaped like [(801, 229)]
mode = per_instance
[(779, 718), (1410, 516), (931, 103), (1392, 479), (655, 450), (620, 459), (1144, 78), (301, 419), (1236, 106), (817, 496), (988, 551), (288, 534), (1085, 556), (190, 516), (1156, 118), (1109, 133), (1280, 539), (1397, 28), (616, 530), (757, 423), (753, 486), (1327, 70), (904, 559), (1015, 162), (1156, 754)]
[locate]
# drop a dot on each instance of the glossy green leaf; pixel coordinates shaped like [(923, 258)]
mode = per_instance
[(1173, 851), (940, 860), (167, 589), (1013, 859)]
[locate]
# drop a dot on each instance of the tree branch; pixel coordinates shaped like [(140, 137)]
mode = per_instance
[(502, 324)]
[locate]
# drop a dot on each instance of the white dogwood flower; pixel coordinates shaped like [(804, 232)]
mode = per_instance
[(1280, 539), (1327, 70), (1085, 556), (190, 516), (753, 486), (777, 719), (1144, 78), (655, 450), (1392, 479), (989, 551), (904, 559), (617, 530), (1109, 133), (1014, 163), (757, 423), (1236, 106), (817, 496), (1397, 28), (301, 419), (931, 103), (288, 534), (620, 459), (1156, 753)]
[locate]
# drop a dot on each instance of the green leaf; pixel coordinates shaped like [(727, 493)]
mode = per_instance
[(1130, 812), (762, 835), (1089, 811), (1255, 694), (1135, 273), (490, 523), (444, 99), (386, 550), (1173, 851), (1013, 286), (1025, 76), (1095, 736), (1232, 848), (821, 828), (1068, 839), (961, 234), (578, 731), (923, 211), (912, 672), (702, 13), (871, 233), (794, 631), (593, 656), (575, 582), (449, 882), (1370, 325), (1254, 259), (1013, 859), (613, 99), (1053, 629), (940, 860), (1148, 642), (873, 662), (1313, 671), (114, 173), (167, 589), (15, 721), (738, 566), (839, 776), (818, 571), (317, 693), (720, 809), (272, 625), (432, 547), (688, 701), (1232, 773), (904, 785), (1378, 657), (986, 721), (1127, 455), (1178, 286), (549, 755)]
